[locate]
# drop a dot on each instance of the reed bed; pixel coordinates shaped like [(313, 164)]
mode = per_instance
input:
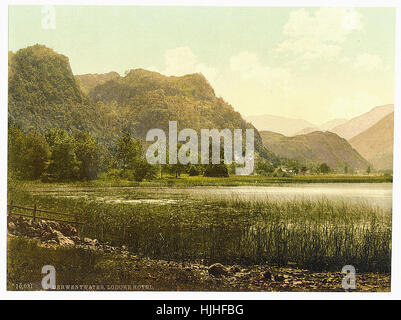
[(315, 234)]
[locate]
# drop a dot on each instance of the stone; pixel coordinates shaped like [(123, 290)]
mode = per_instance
[(267, 275), (62, 239), (218, 270), (11, 226)]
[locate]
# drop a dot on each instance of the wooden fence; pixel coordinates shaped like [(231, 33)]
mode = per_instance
[(35, 214)]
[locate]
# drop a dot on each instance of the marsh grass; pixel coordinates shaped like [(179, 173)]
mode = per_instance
[(314, 234)]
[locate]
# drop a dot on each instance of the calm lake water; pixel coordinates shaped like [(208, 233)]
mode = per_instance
[(377, 194), (374, 194)]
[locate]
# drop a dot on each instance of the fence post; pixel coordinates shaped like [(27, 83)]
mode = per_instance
[(123, 234), (34, 212), (77, 224), (10, 209)]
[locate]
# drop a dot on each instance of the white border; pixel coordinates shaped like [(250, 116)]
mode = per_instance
[(396, 241)]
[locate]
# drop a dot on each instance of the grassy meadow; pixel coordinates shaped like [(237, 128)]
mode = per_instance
[(317, 235)]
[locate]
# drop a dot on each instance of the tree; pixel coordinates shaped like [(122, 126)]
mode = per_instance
[(216, 170), (263, 167), (16, 140), (144, 170), (87, 151), (36, 155), (368, 170), (130, 155), (128, 151), (63, 162), (324, 168), (193, 171), (28, 154), (346, 169)]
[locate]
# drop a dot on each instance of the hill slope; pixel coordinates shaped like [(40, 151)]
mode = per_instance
[(314, 148), (376, 143), (150, 100), (283, 125), (43, 93), (327, 126), (90, 80), (359, 124)]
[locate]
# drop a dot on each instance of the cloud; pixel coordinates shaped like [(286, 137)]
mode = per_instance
[(249, 68), (368, 62), (319, 34), (244, 62), (181, 61)]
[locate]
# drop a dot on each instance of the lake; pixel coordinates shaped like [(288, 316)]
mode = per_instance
[(374, 194)]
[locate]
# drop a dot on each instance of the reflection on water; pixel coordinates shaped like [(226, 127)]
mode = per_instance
[(377, 194), (374, 194)]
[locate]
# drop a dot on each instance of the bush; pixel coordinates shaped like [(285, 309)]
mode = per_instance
[(216, 170), (193, 171)]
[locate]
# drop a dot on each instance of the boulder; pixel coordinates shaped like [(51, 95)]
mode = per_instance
[(62, 239), (267, 275), (218, 270)]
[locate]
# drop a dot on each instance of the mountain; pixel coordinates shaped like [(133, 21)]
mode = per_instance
[(150, 100), (327, 126), (44, 93), (286, 126), (307, 130), (376, 143), (315, 148), (38, 75), (359, 124), (90, 80)]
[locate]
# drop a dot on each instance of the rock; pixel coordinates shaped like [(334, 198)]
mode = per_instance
[(47, 236), (11, 226), (267, 275), (218, 270), (63, 240)]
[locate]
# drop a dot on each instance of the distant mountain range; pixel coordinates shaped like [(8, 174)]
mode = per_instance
[(283, 125), (370, 134), (290, 126), (363, 122), (315, 148), (327, 126), (376, 143)]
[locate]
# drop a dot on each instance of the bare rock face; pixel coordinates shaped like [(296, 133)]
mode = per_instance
[(218, 270)]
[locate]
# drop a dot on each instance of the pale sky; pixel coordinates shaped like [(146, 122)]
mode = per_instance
[(310, 63)]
